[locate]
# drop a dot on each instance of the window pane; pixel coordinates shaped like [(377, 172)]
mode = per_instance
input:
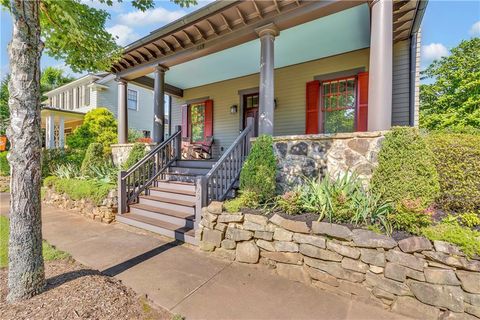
[(197, 118), (339, 121)]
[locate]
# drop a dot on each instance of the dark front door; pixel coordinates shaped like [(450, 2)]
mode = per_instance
[(250, 110)]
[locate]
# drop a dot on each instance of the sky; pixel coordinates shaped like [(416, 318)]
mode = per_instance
[(445, 24)]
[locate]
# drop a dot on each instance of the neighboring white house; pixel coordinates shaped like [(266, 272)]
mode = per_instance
[(65, 107)]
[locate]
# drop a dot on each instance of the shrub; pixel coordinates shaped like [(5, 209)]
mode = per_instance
[(467, 239), (470, 219), (290, 202), (53, 158), (93, 190), (137, 153), (246, 199), (67, 170), (457, 157), (4, 165), (410, 216), (406, 168), (93, 157), (259, 171)]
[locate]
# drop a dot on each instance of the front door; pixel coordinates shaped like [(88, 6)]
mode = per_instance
[(250, 110)]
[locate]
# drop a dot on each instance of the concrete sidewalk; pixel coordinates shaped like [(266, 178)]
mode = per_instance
[(186, 281)]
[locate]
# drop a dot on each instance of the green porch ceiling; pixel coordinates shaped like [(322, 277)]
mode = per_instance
[(337, 33)]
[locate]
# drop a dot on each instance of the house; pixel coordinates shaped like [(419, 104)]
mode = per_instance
[(236, 69), (65, 107)]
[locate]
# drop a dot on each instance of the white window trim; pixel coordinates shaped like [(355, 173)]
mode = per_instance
[(138, 97)]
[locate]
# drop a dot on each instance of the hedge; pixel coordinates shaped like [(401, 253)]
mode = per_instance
[(4, 165), (94, 157), (457, 158), (76, 189), (135, 155), (52, 158)]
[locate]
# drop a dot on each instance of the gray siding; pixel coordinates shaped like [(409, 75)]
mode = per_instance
[(401, 83)]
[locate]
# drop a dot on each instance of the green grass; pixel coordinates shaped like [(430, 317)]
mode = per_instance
[(49, 252)]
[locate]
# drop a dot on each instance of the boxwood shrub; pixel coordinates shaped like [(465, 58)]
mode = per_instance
[(457, 158), (93, 157), (135, 155), (406, 168), (76, 189), (4, 165)]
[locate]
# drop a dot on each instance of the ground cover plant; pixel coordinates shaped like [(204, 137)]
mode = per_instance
[(77, 189), (4, 165)]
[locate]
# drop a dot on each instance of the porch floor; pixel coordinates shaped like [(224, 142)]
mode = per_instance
[(189, 282)]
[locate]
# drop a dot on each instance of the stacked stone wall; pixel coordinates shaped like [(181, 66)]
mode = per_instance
[(413, 276)]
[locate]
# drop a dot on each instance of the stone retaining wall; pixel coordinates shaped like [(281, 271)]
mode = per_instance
[(104, 213), (121, 151), (414, 276), (314, 156)]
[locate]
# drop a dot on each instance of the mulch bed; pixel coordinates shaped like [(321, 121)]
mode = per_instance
[(76, 292)]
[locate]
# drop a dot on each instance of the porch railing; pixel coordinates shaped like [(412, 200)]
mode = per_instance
[(216, 184), (139, 177)]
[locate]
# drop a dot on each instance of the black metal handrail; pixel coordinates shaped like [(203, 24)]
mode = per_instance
[(142, 174)]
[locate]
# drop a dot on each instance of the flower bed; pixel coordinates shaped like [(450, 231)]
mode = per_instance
[(413, 276)]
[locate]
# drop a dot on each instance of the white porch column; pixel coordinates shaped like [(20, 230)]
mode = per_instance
[(122, 111), (380, 68), (61, 133), (267, 36), (50, 132), (75, 98), (159, 104)]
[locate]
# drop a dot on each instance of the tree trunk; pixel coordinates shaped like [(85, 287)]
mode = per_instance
[(26, 275)]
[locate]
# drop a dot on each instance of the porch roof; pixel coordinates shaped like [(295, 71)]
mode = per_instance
[(226, 24)]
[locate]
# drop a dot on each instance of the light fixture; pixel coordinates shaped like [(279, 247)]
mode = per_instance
[(233, 109), (275, 103)]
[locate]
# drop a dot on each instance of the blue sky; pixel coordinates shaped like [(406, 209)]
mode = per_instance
[(445, 24)]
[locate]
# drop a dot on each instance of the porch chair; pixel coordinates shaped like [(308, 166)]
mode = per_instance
[(203, 149)]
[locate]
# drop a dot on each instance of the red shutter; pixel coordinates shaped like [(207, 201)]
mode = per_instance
[(208, 118), (184, 120), (313, 97), (362, 101)]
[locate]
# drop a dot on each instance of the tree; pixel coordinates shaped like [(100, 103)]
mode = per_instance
[(74, 32), (452, 101)]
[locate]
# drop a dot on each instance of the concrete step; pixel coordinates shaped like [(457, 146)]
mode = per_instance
[(167, 215), (168, 203), (166, 192), (171, 230)]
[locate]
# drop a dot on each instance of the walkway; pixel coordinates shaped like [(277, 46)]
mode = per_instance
[(191, 283)]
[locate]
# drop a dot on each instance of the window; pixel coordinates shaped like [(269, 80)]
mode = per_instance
[(197, 122), (132, 99), (338, 105), (146, 133)]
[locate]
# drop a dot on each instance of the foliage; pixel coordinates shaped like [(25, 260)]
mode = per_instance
[(410, 216), (406, 169), (49, 252), (259, 170), (52, 78), (369, 209), (457, 158), (67, 171), (134, 135), (135, 155), (53, 158), (290, 202), (99, 126), (105, 172), (93, 157), (467, 239), (4, 165), (453, 99), (77, 189), (246, 199), (470, 219), (4, 111)]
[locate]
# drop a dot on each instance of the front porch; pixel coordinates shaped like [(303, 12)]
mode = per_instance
[(58, 124)]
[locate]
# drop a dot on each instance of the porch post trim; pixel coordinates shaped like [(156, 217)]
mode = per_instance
[(50, 132), (61, 133), (122, 111), (159, 104)]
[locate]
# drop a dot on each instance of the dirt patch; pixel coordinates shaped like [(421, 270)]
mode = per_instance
[(76, 292), (4, 184)]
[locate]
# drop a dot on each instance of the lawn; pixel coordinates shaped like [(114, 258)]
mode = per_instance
[(49, 252)]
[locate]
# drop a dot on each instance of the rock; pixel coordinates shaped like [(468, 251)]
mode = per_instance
[(299, 149), (473, 299), (370, 239), (255, 218), (346, 251), (373, 257), (449, 315), (222, 227), (247, 252), (225, 254), (248, 225), (444, 258), (354, 265), (265, 245), (394, 287), (281, 148), (283, 257), (472, 265), (293, 272), (291, 225), (214, 237), (265, 235), (437, 295), (285, 246), (376, 269), (206, 246), (215, 207), (238, 234), (313, 240), (322, 276), (472, 310), (282, 235), (470, 281), (332, 230), (210, 217), (445, 247), (228, 217), (439, 265), (359, 145), (413, 308), (441, 276), (400, 273), (198, 234), (316, 252), (415, 244), (228, 244), (405, 259), (334, 269), (382, 294), (207, 224), (331, 289), (354, 288)]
